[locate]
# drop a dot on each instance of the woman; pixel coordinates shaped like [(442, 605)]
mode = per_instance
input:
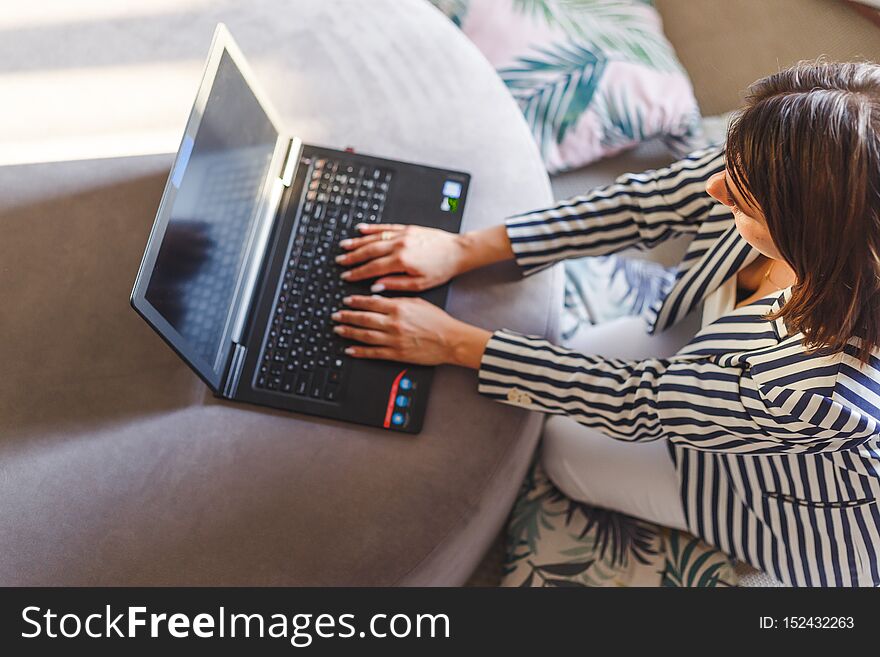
[(770, 412)]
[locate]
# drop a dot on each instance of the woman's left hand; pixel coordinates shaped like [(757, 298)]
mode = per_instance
[(408, 329)]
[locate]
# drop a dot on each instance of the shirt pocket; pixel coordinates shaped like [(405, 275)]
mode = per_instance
[(820, 504)]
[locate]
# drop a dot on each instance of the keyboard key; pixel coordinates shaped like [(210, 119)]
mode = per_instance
[(317, 384)]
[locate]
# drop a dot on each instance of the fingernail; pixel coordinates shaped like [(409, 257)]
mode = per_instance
[(340, 258), (345, 274), (378, 287), (345, 242), (336, 315), (337, 329), (346, 299), (360, 226), (349, 351)]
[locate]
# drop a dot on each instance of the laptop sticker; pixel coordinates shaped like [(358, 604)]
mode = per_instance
[(451, 194), (452, 189)]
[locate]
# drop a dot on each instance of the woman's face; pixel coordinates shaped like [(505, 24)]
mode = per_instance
[(750, 221)]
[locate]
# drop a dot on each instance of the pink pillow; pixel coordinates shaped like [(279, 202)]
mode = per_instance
[(593, 77)]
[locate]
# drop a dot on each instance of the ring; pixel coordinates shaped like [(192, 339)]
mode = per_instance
[(385, 235)]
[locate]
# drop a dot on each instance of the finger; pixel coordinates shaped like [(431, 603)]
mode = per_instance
[(385, 353), (361, 318), (357, 242), (370, 251), (369, 336), (385, 265), (368, 229), (400, 283), (373, 303)]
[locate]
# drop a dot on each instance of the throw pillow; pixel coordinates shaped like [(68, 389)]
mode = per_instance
[(592, 77)]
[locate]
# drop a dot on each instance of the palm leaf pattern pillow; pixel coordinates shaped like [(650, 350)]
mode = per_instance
[(629, 285), (553, 541), (592, 77)]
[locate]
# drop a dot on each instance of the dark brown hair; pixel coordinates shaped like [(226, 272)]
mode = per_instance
[(806, 150)]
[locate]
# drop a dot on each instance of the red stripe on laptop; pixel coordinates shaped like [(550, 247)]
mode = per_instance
[(391, 397)]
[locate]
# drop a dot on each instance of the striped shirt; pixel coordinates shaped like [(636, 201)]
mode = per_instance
[(776, 449)]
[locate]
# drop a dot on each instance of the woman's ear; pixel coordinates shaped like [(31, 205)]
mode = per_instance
[(716, 189)]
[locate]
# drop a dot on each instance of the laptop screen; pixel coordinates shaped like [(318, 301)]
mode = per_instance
[(217, 179)]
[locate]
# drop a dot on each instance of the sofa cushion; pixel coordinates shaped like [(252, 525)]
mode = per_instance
[(592, 79)]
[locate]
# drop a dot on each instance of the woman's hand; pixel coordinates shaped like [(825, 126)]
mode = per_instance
[(416, 258), (411, 258), (408, 329)]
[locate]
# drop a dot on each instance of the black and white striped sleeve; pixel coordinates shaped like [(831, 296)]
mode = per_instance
[(691, 400), (638, 209)]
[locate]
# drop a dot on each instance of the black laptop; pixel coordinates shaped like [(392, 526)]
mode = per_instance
[(239, 275)]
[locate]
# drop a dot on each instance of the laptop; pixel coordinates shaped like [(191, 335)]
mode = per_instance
[(238, 275)]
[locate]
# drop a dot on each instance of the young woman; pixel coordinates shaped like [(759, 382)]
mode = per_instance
[(759, 433)]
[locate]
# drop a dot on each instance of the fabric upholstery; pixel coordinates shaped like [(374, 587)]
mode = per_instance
[(727, 44)]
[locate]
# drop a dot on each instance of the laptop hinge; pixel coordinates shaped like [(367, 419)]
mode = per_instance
[(294, 151), (235, 367)]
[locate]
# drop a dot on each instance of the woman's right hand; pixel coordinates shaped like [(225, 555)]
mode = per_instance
[(402, 257)]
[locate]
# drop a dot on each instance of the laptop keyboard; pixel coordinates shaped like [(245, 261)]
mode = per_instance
[(301, 354)]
